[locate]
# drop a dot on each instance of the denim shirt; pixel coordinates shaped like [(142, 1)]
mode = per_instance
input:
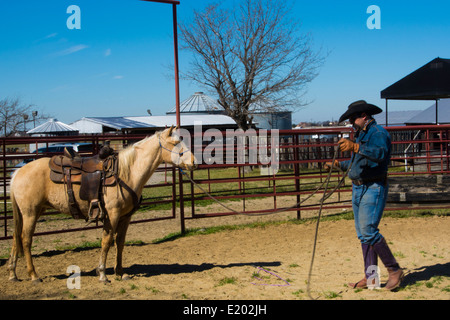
[(374, 153)]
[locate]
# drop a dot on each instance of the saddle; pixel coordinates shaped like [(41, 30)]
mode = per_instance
[(91, 173)]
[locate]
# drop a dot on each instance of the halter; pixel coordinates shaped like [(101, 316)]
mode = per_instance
[(162, 147)]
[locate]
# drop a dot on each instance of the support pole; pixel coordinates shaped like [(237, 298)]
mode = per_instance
[(437, 111), (177, 98), (174, 4), (386, 112)]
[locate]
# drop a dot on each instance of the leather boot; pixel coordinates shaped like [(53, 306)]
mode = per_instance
[(395, 279), (394, 270), (370, 259)]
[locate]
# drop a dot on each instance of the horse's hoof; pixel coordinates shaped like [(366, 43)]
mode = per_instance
[(14, 279), (38, 280), (104, 280), (126, 277)]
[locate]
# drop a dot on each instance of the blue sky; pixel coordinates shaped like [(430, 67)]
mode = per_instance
[(119, 62)]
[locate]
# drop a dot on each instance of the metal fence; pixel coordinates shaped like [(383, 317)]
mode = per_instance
[(16, 150), (246, 187), (416, 150)]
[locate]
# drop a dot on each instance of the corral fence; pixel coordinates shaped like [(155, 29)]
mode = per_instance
[(420, 158)]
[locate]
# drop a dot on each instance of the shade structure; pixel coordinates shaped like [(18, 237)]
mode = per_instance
[(53, 127), (429, 82)]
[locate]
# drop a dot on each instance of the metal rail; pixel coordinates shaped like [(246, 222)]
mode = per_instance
[(302, 154)]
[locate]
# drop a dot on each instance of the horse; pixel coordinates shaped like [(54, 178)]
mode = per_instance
[(32, 192)]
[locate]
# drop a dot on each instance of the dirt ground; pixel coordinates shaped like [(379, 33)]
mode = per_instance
[(261, 263)]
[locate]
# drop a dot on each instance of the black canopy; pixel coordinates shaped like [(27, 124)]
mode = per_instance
[(430, 82)]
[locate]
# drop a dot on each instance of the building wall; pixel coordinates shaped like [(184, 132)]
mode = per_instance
[(275, 120)]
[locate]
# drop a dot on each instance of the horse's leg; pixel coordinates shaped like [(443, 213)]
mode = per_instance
[(109, 228), (17, 247), (29, 225), (13, 261), (120, 243)]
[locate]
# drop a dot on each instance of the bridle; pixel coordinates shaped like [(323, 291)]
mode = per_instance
[(171, 151)]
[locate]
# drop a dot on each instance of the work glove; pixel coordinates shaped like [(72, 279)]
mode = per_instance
[(328, 165), (348, 145)]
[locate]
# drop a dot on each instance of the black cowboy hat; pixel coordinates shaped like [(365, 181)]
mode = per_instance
[(359, 107)]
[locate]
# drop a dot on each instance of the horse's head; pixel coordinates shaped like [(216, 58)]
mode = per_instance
[(175, 151)]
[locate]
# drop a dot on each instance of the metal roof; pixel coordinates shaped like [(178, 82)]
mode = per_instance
[(428, 116), (199, 103), (186, 120), (396, 118), (119, 123), (52, 126), (430, 82), (157, 122)]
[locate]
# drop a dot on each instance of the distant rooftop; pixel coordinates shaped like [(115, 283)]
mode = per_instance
[(428, 116), (119, 123), (396, 118), (199, 103), (53, 126), (138, 123)]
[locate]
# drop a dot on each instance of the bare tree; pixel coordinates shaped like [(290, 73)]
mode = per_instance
[(251, 56), (14, 115)]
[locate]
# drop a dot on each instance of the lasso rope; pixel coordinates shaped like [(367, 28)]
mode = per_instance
[(271, 273), (324, 197)]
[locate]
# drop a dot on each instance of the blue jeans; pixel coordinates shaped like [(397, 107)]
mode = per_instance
[(368, 202)]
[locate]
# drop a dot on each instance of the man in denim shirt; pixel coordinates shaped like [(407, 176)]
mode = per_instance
[(369, 164)]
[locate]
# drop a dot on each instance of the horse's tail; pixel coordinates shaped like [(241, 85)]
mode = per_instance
[(18, 223)]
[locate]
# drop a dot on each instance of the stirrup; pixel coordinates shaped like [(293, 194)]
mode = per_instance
[(95, 212)]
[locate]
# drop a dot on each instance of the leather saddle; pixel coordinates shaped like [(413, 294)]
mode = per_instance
[(91, 173)]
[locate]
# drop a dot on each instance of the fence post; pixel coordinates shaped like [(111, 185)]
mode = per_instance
[(5, 199), (297, 173)]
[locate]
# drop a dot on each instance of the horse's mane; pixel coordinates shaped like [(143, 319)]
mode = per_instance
[(127, 157)]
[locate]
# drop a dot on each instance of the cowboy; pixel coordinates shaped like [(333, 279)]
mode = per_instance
[(369, 164)]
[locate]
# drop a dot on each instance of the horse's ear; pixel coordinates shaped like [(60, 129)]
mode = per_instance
[(170, 131)]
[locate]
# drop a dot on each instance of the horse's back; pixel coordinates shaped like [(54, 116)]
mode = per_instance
[(31, 180)]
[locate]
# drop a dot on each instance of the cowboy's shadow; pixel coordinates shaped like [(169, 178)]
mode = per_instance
[(140, 270), (426, 273), (151, 270)]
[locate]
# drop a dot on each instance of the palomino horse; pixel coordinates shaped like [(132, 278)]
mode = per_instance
[(32, 192)]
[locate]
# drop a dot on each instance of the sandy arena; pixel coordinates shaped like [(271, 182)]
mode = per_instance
[(262, 263)]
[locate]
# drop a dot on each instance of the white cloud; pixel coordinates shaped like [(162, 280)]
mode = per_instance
[(118, 77), (49, 36), (107, 52), (71, 50)]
